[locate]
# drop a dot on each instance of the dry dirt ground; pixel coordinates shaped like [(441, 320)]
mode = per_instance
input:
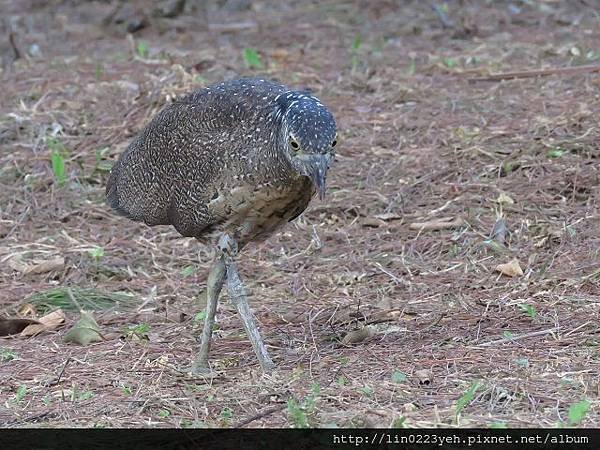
[(450, 340)]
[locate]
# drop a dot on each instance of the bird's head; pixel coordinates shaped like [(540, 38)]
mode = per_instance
[(308, 136)]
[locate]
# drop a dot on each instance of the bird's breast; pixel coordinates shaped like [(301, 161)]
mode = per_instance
[(253, 212)]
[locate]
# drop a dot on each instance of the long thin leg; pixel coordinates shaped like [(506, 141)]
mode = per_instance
[(214, 284), (238, 297)]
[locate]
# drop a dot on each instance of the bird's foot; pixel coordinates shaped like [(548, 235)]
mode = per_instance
[(197, 370), (268, 366)]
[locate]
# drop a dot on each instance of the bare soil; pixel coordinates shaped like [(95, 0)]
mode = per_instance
[(423, 137)]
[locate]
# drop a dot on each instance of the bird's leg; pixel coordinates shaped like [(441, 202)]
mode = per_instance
[(215, 281), (238, 297)]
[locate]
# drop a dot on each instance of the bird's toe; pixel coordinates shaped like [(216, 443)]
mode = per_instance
[(196, 370)]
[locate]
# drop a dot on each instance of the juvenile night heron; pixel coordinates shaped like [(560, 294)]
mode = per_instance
[(227, 164)]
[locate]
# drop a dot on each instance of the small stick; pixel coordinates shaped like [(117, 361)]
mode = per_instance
[(437, 224), (519, 337), (15, 49), (577, 328), (538, 73), (64, 367), (264, 413)]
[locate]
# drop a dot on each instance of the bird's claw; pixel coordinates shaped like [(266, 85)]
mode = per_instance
[(197, 370)]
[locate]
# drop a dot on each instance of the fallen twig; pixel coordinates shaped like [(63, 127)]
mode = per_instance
[(264, 413), (518, 337), (538, 73), (437, 224)]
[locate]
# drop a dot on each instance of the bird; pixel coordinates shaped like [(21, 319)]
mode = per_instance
[(227, 164)]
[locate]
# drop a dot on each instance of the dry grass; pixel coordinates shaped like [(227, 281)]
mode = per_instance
[(419, 142)]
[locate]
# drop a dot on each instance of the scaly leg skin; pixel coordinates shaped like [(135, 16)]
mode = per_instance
[(238, 297), (214, 284)]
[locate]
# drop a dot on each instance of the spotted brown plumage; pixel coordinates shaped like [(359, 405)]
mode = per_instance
[(237, 159), (221, 160)]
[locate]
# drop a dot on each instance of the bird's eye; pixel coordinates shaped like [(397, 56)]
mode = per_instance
[(294, 143), (334, 143)]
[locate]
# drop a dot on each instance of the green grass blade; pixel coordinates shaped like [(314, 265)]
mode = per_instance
[(252, 59), (90, 299)]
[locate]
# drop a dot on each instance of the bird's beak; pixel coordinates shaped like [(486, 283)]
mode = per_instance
[(315, 167)]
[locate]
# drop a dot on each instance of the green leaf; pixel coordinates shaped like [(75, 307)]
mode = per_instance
[(528, 309), (466, 398), (523, 362), (188, 271), (556, 153), (449, 62), (85, 331), (399, 422), (99, 70), (86, 395), (199, 317), (7, 355), (20, 394), (297, 415), (578, 411), (142, 49), (141, 329), (356, 43), (164, 413), (57, 152), (508, 334), (58, 167), (97, 253), (226, 413), (507, 167), (252, 59), (367, 390), (315, 389), (398, 377), (498, 425)]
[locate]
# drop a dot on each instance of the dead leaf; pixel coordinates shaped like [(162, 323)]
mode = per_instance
[(36, 266), (425, 376), (27, 309), (49, 322), (372, 222), (48, 266), (388, 216), (85, 331), (387, 316), (500, 231), (443, 223), (14, 326), (505, 199), (295, 317), (510, 269), (348, 278), (281, 55), (386, 303), (356, 336), (17, 265), (372, 418)]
